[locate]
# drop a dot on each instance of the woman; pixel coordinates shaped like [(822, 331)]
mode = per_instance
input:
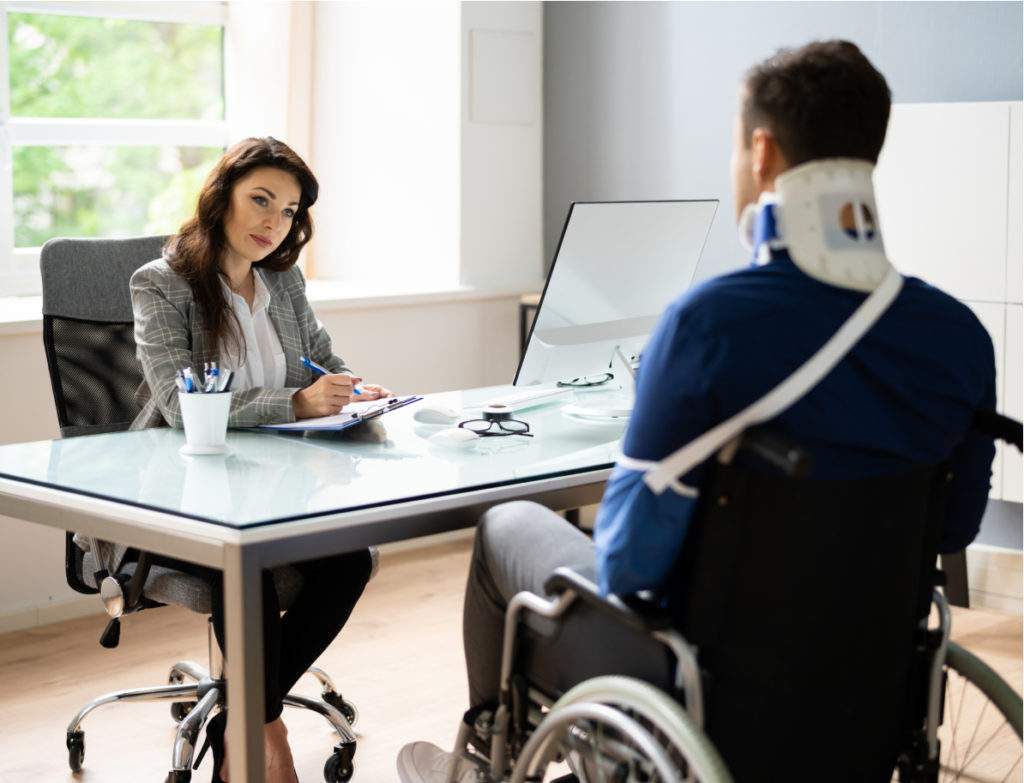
[(228, 290)]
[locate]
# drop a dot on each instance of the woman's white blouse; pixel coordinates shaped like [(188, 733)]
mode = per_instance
[(264, 358)]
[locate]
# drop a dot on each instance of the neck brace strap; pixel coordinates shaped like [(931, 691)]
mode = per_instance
[(663, 474)]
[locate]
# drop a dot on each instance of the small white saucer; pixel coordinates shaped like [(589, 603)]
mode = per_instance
[(199, 451), (607, 413)]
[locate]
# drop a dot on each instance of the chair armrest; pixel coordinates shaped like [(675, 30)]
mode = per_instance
[(637, 610), (137, 582)]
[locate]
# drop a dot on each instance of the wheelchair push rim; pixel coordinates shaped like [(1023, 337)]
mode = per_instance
[(634, 718)]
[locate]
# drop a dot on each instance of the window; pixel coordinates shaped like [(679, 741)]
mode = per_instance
[(111, 115)]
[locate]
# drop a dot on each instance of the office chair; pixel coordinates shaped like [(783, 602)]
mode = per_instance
[(794, 645), (88, 337)]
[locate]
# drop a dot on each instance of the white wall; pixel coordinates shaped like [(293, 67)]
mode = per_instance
[(385, 141), (502, 145), (428, 347)]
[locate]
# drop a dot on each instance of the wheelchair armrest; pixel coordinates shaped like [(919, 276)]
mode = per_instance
[(636, 610)]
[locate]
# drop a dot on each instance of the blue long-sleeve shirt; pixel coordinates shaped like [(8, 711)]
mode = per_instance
[(904, 396)]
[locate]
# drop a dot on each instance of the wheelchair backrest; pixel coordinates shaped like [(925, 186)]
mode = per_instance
[(803, 598)]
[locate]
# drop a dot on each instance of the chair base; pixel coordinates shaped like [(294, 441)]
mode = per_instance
[(192, 704)]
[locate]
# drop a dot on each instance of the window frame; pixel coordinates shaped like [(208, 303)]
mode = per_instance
[(19, 267)]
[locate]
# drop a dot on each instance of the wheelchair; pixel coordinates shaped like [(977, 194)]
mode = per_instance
[(634, 699)]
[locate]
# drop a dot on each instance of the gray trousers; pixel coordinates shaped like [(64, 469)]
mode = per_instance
[(517, 547)]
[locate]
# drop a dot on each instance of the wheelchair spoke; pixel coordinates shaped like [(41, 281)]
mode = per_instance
[(977, 725), (1007, 776), (986, 746), (956, 722)]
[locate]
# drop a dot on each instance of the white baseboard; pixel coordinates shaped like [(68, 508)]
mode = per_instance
[(50, 612), (994, 575), (85, 605)]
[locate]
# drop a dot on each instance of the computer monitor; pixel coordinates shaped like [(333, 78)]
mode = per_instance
[(618, 266)]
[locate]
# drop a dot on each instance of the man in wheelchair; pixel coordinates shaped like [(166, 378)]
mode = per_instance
[(798, 574)]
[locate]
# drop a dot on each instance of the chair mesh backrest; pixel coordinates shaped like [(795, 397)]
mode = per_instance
[(88, 332), (94, 374)]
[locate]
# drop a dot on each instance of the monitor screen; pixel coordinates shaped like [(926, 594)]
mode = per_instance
[(618, 265)]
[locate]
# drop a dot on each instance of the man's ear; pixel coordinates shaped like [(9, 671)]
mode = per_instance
[(765, 158)]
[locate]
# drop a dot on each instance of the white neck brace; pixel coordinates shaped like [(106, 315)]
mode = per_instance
[(825, 216)]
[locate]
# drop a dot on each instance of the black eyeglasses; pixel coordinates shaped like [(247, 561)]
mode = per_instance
[(587, 380), (497, 427)]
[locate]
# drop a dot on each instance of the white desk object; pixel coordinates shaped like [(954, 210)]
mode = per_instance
[(280, 498)]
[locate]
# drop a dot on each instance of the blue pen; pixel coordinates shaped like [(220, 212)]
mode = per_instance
[(323, 371)]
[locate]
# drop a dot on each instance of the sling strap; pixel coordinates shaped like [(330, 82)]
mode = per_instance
[(665, 473)]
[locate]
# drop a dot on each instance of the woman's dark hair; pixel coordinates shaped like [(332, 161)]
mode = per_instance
[(823, 100), (195, 251)]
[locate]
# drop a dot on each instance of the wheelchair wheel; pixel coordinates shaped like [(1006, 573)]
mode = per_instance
[(980, 734), (624, 730)]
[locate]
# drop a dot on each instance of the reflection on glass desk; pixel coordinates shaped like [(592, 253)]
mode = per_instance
[(272, 477)]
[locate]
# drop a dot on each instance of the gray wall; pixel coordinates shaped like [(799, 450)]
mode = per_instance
[(639, 98)]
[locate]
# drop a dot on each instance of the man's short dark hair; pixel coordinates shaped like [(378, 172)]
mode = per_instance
[(823, 100)]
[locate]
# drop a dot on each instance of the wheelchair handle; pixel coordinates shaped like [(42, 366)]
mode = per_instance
[(999, 427)]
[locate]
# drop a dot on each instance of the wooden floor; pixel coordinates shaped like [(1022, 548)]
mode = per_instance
[(400, 660)]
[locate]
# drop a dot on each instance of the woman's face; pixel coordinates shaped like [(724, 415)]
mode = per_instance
[(259, 217)]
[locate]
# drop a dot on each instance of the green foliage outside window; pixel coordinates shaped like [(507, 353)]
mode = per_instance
[(80, 67)]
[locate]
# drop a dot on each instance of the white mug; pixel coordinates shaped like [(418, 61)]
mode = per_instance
[(205, 417)]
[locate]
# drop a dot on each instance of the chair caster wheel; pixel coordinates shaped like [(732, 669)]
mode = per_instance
[(76, 750), (338, 768), (346, 708), (180, 710), (178, 776)]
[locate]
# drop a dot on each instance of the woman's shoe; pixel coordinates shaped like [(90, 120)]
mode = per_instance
[(214, 739)]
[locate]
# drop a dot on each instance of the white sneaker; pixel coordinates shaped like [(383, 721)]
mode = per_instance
[(424, 762)]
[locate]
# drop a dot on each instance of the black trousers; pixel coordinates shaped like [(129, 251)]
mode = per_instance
[(293, 641)]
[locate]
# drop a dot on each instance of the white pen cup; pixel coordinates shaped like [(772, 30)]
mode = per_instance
[(205, 417)]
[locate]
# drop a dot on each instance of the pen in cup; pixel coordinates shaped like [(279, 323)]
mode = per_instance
[(213, 380), (210, 373), (323, 371)]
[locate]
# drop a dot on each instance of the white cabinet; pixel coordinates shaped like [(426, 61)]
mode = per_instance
[(1013, 405), (948, 185), (941, 189), (1014, 210), (993, 318)]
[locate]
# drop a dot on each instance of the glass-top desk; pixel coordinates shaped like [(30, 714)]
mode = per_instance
[(278, 498)]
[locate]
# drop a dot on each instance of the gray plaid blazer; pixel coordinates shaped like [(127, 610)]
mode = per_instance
[(169, 335)]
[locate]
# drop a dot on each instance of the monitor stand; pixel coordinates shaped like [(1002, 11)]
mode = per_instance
[(607, 404)]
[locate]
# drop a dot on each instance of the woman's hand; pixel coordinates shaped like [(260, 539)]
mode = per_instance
[(324, 397), (371, 391)]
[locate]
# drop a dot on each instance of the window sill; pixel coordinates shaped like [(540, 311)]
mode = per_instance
[(22, 314)]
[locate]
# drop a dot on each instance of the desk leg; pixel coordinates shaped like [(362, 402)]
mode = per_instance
[(244, 663)]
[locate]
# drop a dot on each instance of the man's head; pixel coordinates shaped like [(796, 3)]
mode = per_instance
[(823, 100)]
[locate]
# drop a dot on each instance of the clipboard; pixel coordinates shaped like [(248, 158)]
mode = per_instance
[(356, 414)]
